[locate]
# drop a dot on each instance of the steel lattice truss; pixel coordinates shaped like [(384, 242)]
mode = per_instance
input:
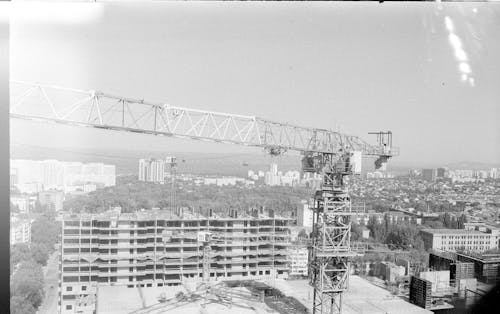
[(330, 249), (105, 111)]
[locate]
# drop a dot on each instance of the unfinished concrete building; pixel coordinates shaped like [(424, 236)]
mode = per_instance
[(161, 248)]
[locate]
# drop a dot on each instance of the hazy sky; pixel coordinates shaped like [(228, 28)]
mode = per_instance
[(363, 67)]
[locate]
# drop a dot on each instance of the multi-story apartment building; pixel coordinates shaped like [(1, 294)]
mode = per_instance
[(299, 257), (152, 170), (399, 217), (441, 172), (25, 203), (53, 199), (364, 218), (20, 231), (429, 174), (305, 216), (160, 248), (392, 217), (33, 176), (461, 239)]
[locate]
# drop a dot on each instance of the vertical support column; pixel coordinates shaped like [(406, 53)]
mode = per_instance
[(330, 249), (154, 248), (206, 262), (60, 270), (272, 238)]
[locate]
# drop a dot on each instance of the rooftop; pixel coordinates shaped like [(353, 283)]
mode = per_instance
[(361, 297), (166, 215), (485, 258), (146, 300), (452, 231), (445, 254)]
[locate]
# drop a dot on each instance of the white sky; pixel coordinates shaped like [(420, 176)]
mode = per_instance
[(366, 67)]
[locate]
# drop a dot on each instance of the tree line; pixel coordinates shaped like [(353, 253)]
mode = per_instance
[(133, 196), (26, 261)]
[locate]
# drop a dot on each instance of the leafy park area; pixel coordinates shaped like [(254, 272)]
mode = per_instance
[(132, 195), (26, 261)]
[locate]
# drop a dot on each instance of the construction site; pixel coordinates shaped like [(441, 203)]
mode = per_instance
[(163, 248), (158, 254), (336, 88)]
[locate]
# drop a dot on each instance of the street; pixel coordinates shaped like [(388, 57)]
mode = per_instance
[(49, 304)]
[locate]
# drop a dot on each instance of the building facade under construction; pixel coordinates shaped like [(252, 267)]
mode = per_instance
[(162, 248)]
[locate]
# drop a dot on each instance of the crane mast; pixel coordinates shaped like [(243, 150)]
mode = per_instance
[(329, 153)]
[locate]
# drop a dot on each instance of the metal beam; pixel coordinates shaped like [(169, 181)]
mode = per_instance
[(101, 110)]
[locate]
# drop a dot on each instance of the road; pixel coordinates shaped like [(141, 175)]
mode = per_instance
[(49, 304)]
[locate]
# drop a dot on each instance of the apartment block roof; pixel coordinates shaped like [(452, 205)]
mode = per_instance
[(452, 231), (167, 215)]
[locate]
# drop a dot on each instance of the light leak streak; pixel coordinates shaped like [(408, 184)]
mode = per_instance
[(460, 54), (449, 24), (464, 68)]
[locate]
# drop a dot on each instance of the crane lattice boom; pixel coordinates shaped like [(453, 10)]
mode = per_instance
[(105, 111)]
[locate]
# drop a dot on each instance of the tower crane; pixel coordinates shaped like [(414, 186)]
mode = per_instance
[(332, 154), (172, 162)]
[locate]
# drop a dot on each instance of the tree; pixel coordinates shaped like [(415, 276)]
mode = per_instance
[(39, 208), (378, 231), (27, 283), (40, 253), (434, 224), (303, 234), (450, 221), (18, 305), (45, 230), (404, 236), (19, 252), (356, 232), (462, 220), (131, 195), (14, 208)]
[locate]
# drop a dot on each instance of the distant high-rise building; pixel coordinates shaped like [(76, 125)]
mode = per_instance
[(53, 199), (413, 173), (152, 170), (440, 172), (109, 175), (305, 216), (30, 176), (272, 177), (274, 168), (429, 174), (52, 172), (13, 176), (144, 165), (494, 173), (299, 258), (157, 170)]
